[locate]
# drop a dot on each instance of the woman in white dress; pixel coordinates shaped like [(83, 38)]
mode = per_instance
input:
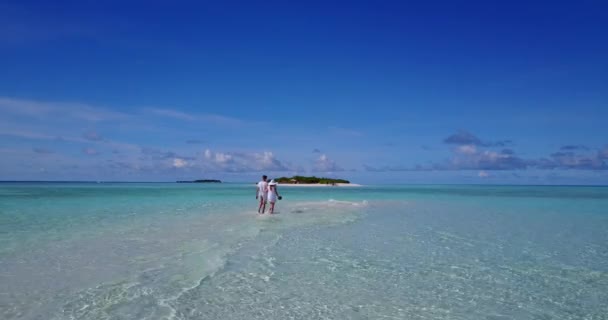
[(273, 195)]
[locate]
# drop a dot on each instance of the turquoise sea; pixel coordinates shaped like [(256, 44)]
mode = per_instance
[(199, 251)]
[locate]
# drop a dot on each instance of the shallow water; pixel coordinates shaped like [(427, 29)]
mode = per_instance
[(194, 251)]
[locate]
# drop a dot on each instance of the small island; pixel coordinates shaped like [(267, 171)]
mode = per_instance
[(201, 181), (311, 180)]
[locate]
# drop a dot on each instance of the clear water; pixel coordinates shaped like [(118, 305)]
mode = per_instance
[(198, 251)]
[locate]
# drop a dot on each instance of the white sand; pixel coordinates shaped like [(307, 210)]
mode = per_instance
[(318, 185)]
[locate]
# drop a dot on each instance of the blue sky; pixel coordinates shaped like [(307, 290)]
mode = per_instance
[(375, 92)]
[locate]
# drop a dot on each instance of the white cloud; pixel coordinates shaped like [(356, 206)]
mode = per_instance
[(22, 130), (267, 161), (208, 154), (241, 162), (179, 163), (222, 158), (483, 174), (61, 127), (57, 110), (266, 158), (324, 164), (27, 134), (180, 115), (218, 159), (219, 119), (466, 149), (172, 114)]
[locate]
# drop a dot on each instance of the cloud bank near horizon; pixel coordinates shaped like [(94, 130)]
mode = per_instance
[(64, 137), (471, 153), (52, 139)]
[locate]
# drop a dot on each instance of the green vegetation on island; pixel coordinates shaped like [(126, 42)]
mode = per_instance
[(309, 180)]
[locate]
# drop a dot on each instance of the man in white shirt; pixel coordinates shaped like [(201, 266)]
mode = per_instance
[(261, 192)]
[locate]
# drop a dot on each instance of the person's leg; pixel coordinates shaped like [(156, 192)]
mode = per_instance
[(262, 205), (271, 210)]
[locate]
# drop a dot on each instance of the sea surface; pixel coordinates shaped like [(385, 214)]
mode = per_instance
[(200, 251)]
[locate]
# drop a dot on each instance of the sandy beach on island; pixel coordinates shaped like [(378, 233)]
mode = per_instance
[(319, 185)]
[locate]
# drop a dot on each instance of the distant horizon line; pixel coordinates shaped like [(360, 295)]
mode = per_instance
[(373, 184)]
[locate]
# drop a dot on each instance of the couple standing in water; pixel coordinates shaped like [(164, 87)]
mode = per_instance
[(267, 192)]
